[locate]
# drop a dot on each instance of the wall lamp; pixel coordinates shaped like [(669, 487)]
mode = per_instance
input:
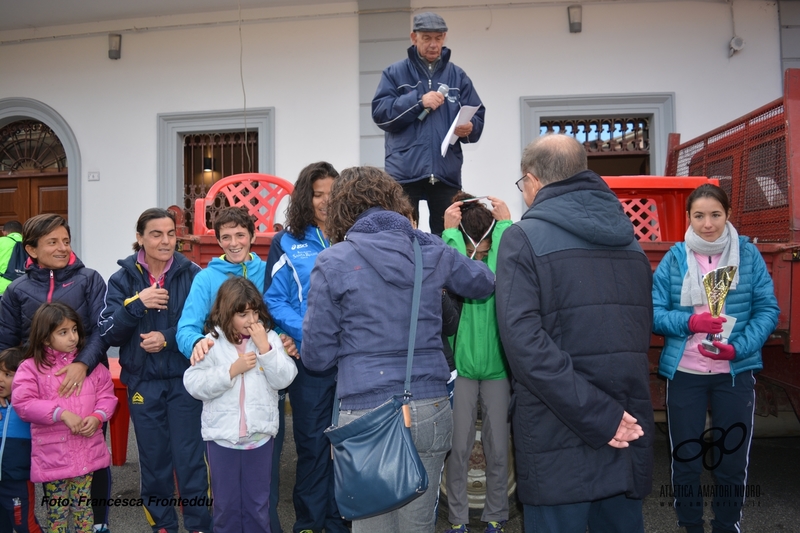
[(114, 45), (575, 17), (208, 164)]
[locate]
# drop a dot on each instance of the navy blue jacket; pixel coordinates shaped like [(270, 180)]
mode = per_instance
[(359, 309), (413, 147), (121, 324), (575, 314), (75, 285)]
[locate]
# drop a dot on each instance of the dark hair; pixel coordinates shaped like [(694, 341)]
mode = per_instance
[(475, 217), (235, 295), (554, 157), (358, 189), (45, 321), (234, 216), (12, 226), (10, 358), (300, 213), (37, 227), (708, 190), (154, 213)]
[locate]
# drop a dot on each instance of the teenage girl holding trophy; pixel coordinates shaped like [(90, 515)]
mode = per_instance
[(697, 296)]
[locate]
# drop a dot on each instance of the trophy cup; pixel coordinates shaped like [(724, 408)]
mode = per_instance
[(717, 283)]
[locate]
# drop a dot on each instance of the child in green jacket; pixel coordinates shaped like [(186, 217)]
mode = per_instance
[(475, 231)]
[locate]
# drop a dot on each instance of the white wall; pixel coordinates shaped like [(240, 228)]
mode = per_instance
[(305, 64), (679, 47), (305, 67)]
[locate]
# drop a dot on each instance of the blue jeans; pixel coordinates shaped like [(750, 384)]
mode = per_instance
[(432, 431), (617, 514)]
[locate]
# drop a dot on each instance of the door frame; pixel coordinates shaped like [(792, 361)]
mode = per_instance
[(173, 126), (659, 106), (13, 109)]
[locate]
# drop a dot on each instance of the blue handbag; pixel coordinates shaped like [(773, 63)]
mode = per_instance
[(376, 465)]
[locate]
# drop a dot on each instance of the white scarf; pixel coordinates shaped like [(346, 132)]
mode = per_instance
[(692, 292)]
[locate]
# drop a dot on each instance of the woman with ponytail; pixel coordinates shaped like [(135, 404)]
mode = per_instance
[(699, 376)]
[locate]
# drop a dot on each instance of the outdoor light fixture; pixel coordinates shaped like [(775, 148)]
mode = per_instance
[(575, 16), (208, 164), (114, 45)]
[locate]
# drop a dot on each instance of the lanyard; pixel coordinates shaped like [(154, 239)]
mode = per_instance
[(322, 240), (475, 244)]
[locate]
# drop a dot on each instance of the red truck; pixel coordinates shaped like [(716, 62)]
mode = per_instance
[(756, 159)]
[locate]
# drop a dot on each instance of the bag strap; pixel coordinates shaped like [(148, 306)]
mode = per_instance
[(412, 330), (412, 334)]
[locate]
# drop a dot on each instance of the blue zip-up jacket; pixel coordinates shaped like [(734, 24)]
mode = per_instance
[(122, 324), (286, 297), (359, 309), (753, 303), (15, 449), (79, 287), (204, 292), (413, 147)]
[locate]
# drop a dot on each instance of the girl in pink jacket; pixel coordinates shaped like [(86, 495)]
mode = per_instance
[(66, 444)]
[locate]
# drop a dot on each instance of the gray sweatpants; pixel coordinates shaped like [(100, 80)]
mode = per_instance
[(494, 397)]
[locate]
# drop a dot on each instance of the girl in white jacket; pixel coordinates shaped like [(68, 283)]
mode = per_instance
[(238, 382)]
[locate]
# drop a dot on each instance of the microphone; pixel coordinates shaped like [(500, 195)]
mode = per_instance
[(443, 89)]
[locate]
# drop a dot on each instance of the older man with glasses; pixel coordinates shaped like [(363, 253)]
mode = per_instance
[(575, 313)]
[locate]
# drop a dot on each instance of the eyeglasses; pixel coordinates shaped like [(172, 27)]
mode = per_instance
[(518, 183)]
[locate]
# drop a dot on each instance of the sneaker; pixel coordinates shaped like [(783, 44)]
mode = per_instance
[(458, 528), (100, 528), (495, 527)]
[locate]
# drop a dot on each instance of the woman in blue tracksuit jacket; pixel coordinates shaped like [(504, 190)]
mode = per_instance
[(144, 302), (697, 377), (292, 255)]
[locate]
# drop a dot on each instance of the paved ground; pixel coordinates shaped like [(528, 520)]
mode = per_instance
[(775, 471)]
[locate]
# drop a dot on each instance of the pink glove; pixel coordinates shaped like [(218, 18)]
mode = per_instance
[(705, 323), (726, 351)]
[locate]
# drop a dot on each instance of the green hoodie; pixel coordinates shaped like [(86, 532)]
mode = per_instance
[(477, 348)]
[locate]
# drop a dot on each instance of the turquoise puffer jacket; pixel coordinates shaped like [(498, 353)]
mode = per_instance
[(753, 304)]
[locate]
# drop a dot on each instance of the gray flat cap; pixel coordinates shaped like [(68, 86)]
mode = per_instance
[(429, 22)]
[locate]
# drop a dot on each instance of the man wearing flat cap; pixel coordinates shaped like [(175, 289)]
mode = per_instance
[(415, 103)]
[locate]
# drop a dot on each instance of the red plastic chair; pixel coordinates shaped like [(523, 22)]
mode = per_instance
[(656, 204), (259, 193)]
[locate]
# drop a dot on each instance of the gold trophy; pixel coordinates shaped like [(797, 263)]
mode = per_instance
[(717, 283)]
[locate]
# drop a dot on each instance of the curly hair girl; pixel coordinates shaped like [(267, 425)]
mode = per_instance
[(301, 213)]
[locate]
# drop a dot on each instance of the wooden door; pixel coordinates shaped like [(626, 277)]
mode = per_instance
[(33, 172), (14, 199), (24, 197), (48, 195)]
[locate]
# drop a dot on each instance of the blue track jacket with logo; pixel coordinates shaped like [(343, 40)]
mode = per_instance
[(290, 263)]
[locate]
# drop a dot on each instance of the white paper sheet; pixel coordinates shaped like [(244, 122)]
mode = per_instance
[(465, 114)]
